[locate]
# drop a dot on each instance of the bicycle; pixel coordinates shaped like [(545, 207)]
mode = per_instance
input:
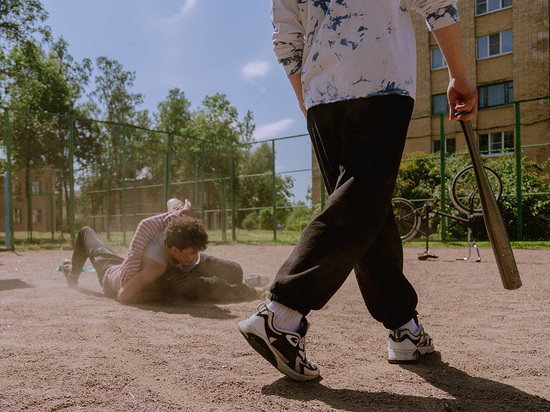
[(464, 197)]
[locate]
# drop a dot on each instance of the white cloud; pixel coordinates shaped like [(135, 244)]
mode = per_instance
[(272, 130), (257, 68), (185, 9)]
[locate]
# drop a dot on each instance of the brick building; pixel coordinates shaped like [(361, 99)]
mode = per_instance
[(506, 47)]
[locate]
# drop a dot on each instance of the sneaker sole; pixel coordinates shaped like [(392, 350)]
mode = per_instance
[(254, 339), (406, 357)]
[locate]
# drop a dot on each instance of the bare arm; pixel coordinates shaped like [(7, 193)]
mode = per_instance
[(461, 93), (136, 290), (296, 82)]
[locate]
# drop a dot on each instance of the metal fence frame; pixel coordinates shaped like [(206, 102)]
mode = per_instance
[(228, 208)]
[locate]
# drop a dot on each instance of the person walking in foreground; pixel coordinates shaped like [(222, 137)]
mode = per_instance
[(352, 65), (163, 260)]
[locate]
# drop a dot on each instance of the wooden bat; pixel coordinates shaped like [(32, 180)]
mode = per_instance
[(491, 214)]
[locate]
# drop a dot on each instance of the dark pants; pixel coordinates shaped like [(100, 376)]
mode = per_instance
[(211, 279), (90, 245), (359, 144)]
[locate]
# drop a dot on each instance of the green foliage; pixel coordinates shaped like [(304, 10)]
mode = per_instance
[(250, 222), (22, 20), (255, 186), (299, 217), (419, 180)]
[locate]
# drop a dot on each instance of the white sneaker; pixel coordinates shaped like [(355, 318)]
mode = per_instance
[(406, 347), (284, 350)]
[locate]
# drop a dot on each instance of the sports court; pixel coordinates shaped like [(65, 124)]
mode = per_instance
[(64, 349)]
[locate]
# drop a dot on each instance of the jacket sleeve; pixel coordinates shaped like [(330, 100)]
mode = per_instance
[(438, 13), (288, 34)]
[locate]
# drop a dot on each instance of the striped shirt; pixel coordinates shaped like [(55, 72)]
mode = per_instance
[(117, 276), (347, 49)]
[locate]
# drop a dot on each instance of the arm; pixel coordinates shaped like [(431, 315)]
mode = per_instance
[(288, 42), (461, 93), (296, 82), (135, 290), (443, 21)]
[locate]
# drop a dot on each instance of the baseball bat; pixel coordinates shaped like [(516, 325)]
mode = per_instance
[(491, 214)]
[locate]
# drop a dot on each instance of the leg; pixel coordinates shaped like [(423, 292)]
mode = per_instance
[(90, 245), (359, 145), (210, 266), (194, 286)]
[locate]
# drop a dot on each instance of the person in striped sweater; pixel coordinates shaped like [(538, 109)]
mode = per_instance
[(163, 260)]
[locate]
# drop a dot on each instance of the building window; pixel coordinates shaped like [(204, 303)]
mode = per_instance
[(496, 143), (496, 94), (494, 45), (36, 216), (17, 216), (439, 104), (16, 185), (489, 6), (36, 186), (438, 61), (450, 146)]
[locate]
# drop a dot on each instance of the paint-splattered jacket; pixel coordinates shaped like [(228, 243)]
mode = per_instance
[(347, 49)]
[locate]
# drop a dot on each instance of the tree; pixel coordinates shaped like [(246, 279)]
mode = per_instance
[(174, 113), (255, 188), (46, 81), (20, 21), (208, 152)]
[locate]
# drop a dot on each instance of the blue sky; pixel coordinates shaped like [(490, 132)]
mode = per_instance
[(201, 47)]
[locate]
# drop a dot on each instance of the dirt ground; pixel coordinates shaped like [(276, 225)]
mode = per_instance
[(68, 350)]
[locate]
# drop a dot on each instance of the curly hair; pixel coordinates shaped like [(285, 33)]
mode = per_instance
[(184, 232)]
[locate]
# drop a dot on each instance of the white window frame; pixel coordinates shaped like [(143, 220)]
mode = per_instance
[(488, 2), (442, 96), (36, 186), (485, 42), (37, 216), (440, 57), (483, 91), (447, 142), (492, 138)]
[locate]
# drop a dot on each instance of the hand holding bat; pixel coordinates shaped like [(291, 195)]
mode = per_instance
[(491, 214)]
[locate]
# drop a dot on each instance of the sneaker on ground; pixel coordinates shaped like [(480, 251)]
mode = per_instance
[(284, 350), (66, 267), (406, 347), (256, 280)]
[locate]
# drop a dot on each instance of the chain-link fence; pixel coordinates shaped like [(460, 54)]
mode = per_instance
[(59, 173)]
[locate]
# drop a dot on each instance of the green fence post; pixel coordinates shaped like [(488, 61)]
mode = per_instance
[(29, 203), (108, 200), (168, 169), (10, 235), (274, 191), (519, 194), (84, 210), (124, 185), (223, 222), (233, 228), (71, 178), (442, 152), (202, 181), (135, 195), (196, 197), (52, 205)]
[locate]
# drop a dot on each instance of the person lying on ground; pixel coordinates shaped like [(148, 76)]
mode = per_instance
[(164, 260)]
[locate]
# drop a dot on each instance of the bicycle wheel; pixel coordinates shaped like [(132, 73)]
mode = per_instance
[(464, 193), (407, 218)]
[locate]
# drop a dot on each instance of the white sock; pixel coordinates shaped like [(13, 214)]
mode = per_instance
[(410, 325), (285, 318)]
